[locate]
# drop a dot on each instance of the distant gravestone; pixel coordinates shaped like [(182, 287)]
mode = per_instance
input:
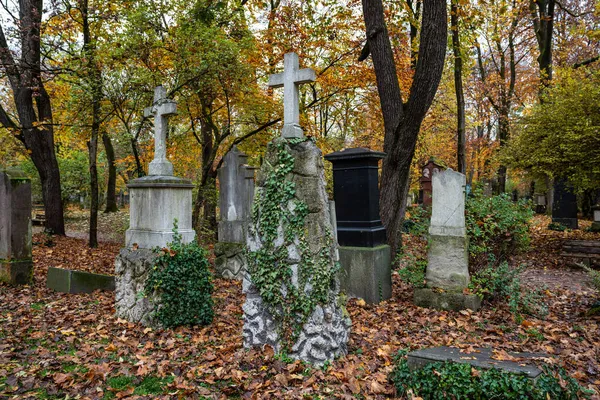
[(448, 260), (292, 290), (596, 224), (236, 192), (157, 201), (427, 172), (564, 206), (16, 264)]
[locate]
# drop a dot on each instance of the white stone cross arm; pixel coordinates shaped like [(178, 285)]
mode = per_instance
[(161, 109), (290, 78)]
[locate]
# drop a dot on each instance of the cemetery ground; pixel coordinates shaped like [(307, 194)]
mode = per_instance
[(55, 345)]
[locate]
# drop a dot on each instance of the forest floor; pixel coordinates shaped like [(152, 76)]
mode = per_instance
[(54, 345)]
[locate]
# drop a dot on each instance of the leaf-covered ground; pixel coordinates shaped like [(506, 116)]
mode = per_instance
[(56, 345)]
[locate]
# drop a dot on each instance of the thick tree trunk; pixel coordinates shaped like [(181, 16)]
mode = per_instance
[(542, 12), (32, 103), (458, 87), (111, 187), (402, 122)]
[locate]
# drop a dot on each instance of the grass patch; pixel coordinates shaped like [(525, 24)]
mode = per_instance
[(148, 386)]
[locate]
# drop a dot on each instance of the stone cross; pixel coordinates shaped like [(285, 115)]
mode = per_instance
[(290, 79), (161, 109)]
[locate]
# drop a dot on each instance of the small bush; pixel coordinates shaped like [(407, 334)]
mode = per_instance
[(501, 283), (182, 281), (496, 226), (450, 380), (416, 221), (412, 271), (594, 276), (557, 226)]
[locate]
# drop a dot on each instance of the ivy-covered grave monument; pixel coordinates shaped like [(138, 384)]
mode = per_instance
[(293, 301), (157, 202)]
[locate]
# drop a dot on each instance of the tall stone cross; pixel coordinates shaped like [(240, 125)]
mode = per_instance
[(161, 109), (291, 77)]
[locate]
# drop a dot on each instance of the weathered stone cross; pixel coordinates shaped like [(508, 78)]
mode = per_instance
[(161, 109), (290, 79)]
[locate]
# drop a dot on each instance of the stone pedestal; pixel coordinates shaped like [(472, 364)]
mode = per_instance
[(367, 272), (131, 301), (16, 265), (596, 224), (364, 256), (564, 207), (230, 260), (155, 203), (324, 334), (447, 273)]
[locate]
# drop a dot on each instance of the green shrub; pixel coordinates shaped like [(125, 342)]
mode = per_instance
[(450, 380), (502, 283), (594, 276), (412, 270), (496, 227), (557, 226), (183, 282), (417, 220)]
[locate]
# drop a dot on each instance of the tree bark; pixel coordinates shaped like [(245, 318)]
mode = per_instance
[(542, 12), (34, 128), (458, 87), (94, 78), (111, 187), (403, 122)]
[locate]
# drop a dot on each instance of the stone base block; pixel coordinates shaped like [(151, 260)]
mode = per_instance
[(230, 262), (232, 231), (16, 272), (481, 358), (449, 301), (570, 223), (131, 301), (595, 227), (366, 272), (448, 262), (151, 239), (68, 281)]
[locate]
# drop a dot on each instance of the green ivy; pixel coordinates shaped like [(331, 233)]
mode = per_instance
[(450, 380), (183, 282), (275, 205)]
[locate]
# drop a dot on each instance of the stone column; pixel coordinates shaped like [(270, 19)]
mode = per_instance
[(364, 255), (448, 257), (16, 265), (236, 191), (297, 235)]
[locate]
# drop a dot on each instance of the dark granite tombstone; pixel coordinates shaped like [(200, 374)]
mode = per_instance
[(425, 180), (564, 207), (16, 265), (364, 256)]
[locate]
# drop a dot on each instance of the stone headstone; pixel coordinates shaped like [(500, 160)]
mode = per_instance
[(16, 264), (157, 202), (596, 224), (427, 172), (540, 203), (307, 258), (448, 260), (564, 206), (236, 192), (291, 77), (364, 255)]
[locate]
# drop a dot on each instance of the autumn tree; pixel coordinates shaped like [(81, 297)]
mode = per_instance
[(32, 121), (402, 121)]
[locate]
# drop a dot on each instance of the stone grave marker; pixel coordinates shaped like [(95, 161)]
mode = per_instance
[(16, 264), (236, 192), (448, 259), (425, 181), (564, 206), (364, 255), (156, 202), (292, 290)]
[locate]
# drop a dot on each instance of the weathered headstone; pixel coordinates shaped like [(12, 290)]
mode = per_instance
[(16, 265), (236, 192), (540, 204), (292, 290), (425, 181), (564, 206), (448, 260), (596, 224), (156, 202), (364, 255)]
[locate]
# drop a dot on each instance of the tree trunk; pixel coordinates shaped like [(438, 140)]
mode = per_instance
[(94, 77), (402, 122), (542, 12), (32, 103), (458, 87), (111, 187)]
